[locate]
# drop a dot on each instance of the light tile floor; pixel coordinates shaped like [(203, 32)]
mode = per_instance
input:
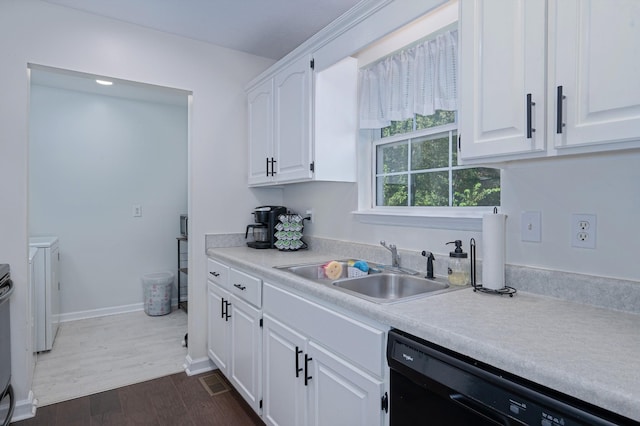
[(104, 353)]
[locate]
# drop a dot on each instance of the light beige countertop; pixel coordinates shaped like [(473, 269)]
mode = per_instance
[(586, 352)]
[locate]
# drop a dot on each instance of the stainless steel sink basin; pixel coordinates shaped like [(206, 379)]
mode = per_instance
[(388, 288), (313, 271)]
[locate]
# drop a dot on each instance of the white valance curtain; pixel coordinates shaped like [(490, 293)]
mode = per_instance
[(418, 80)]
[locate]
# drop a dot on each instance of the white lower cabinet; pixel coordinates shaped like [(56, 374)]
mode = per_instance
[(307, 380), (295, 361), (219, 329), (285, 401), (246, 351), (339, 393), (235, 333)]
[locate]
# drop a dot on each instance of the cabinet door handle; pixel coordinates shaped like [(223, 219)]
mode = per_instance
[(215, 274), (222, 306), (226, 311), (240, 286), (267, 168), (273, 168), (307, 377), (530, 105), (298, 368), (559, 104)]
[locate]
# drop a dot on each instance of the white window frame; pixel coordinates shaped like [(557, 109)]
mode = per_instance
[(456, 218)]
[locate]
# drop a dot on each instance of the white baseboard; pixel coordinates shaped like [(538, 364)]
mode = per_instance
[(25, 408), (197, 366), (102, 312)]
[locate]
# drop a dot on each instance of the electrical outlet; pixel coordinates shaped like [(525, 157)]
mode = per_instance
[(530, 227), (583, 230), (137, 210), (309, 214)]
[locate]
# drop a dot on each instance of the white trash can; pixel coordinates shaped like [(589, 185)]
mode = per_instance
[(157, 293)]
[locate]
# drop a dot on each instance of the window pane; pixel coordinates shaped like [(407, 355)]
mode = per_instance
[(476, 187), (430, 189), (397, 128), (439, 118), (392, 158), (430, 152), (392, 190)]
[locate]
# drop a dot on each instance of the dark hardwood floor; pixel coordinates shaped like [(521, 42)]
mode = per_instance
[(172, 400)]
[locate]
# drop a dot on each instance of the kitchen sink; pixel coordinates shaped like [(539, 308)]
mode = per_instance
[(388, 288), (386, 285)]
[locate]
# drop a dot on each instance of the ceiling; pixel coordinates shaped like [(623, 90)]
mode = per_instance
[(267, 28), (82, 82)]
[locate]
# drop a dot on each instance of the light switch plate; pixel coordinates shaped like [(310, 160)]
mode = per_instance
[(531, 226)]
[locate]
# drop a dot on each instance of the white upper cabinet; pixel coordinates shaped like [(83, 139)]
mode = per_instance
[(502, 77), (303, 125), (260, 110), (586, 51), (594, 52), (280, 115), (292, 118)]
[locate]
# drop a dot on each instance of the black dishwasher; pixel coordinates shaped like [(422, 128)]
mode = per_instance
[(431, 385)]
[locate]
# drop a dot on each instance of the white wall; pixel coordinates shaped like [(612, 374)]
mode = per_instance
[(91, 158), (35, 32), (602, 184)]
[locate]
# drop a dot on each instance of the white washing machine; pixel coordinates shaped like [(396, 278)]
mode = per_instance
[(46, 291)]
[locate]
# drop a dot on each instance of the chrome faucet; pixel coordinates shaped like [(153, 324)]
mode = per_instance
[(395, 259)]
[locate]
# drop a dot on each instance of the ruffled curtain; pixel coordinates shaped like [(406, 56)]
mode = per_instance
[(418, 80)]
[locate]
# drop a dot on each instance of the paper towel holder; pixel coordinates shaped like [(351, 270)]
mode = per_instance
[(506, 290)]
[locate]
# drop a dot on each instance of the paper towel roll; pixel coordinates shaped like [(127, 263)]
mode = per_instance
[(493, 250)]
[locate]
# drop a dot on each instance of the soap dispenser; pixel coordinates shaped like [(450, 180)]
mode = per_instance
[(458, 265)]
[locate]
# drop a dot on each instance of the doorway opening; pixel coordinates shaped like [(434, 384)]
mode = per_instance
[(108, 175)]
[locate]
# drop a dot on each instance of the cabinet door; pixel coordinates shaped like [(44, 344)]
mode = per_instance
[(284, 401), (260, 111), (502, 63), (246, 352), (219, 326), (341, 394), (292, 144), (594, 47)]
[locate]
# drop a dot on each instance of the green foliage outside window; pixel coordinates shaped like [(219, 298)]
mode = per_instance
[(423, 171)]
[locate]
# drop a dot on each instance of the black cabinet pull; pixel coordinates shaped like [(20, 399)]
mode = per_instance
[(215, 274), (530, 105), (226, 311), (560, 103), (222, 302), (307, 377), (267, 168), (240, 286), (273, 168), (298, 369)]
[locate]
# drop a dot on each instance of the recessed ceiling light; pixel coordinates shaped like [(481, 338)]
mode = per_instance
[(104, 82)]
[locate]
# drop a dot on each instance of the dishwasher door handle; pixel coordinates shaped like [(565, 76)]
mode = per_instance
[(480, 409)]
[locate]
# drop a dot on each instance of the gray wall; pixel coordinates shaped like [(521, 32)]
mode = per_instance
[(603, 184), (91, 158)]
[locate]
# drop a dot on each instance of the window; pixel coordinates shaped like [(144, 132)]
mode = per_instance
[(416, 165)]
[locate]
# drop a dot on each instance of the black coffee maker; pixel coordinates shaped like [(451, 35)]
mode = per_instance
[(266, 218)]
